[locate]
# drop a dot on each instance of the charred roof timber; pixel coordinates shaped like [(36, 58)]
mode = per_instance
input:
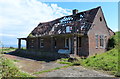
[(75, 11)]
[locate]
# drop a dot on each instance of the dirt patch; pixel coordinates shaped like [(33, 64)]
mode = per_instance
[(31, 66)]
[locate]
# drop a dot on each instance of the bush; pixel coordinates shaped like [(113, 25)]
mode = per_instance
[(114, 41)]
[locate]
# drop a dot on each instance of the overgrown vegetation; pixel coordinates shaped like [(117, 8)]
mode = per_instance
[(107, 61), (114, 41), (7, 49), (8, 69)]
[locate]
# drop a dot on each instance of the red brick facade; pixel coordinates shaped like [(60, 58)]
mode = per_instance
[(91, 41)]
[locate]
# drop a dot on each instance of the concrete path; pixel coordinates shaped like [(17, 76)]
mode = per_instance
[(31, 66)]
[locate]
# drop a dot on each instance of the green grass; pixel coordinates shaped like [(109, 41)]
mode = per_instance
[(64, 61), (8, 69), (7, 50), (49, 70), (107, 61)]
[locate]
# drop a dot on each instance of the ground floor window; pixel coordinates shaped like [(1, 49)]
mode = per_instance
[(105, 38), (101, 41), (41, 43)]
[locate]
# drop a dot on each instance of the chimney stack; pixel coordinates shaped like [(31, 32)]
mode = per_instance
[(75, 11)]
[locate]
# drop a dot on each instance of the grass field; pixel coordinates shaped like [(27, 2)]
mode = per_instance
[(107, 61)]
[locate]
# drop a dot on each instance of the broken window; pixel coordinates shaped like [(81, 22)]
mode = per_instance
[(101, 41), (41, 43), (96, 37), (81, 16), (68, 29)]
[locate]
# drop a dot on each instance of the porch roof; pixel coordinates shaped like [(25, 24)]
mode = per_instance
[(22, 38), (59, 35)]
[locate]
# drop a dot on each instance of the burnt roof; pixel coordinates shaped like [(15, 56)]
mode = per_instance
[(58, 25)]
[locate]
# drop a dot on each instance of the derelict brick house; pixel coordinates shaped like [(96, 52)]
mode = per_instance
[(82, 34)]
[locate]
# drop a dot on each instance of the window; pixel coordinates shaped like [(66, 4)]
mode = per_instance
[(100, 19), (41, 43), (66, 42), (68, 29), (96, 37), (101, 41)]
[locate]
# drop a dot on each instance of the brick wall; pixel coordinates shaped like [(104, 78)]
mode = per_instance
[(98, 28)]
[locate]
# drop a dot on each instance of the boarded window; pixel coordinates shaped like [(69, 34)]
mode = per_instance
[(66, 42), (101, 41), (96, 37), (41, 43)]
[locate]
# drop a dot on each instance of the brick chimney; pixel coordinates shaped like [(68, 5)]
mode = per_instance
[(75, 11)]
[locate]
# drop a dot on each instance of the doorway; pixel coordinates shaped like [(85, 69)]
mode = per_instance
[(68, 43)]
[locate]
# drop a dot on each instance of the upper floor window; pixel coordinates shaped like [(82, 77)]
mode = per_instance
[(100, 18), (68, 29), (96, 37), (41, 43), (101, 41)]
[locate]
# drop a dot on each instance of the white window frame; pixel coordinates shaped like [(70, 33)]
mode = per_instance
[(105, 41), (102, 38)]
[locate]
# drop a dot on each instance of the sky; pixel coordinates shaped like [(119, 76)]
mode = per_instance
[(19, 17)]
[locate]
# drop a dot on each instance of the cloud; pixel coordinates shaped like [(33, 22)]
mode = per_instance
[(24, 15), (7, 35), (19, 17)]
